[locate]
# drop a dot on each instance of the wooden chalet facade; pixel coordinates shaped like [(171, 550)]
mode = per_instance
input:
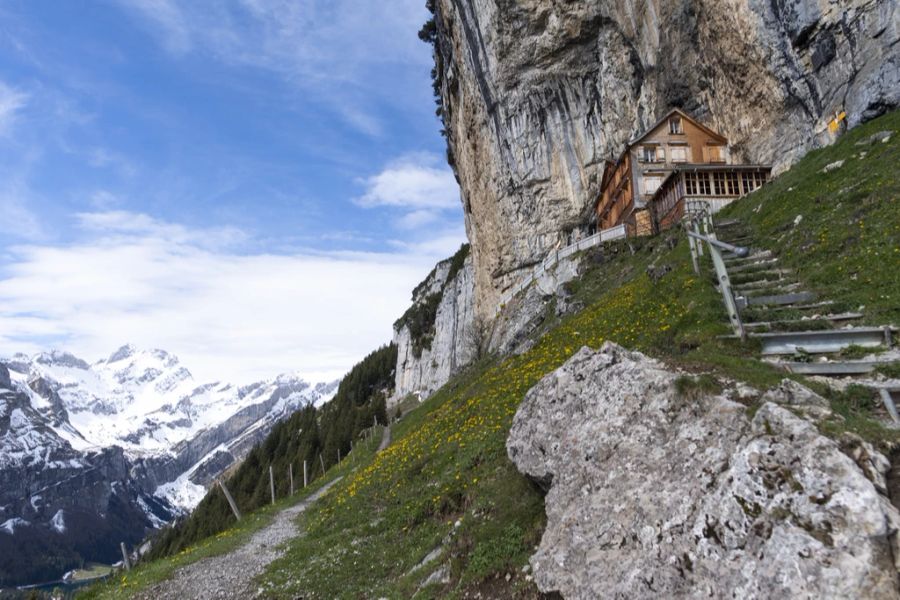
[(716, 185), (677, 157)]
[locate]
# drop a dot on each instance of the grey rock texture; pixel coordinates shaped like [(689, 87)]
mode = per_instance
[(455, 340), (537, 93), (652, 495), (514, 328)]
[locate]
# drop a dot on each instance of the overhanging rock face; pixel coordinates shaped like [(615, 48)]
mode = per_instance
[(536, 93), (655, 495)]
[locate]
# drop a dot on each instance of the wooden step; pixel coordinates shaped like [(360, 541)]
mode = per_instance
[(771, 275), (755, 256), (813, 306), (766, 287), (767, 262), (830, 368), (780, 299), (823, 341), (833, 319)]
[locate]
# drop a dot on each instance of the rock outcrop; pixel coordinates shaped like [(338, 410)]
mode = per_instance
[(659, 494), (537, 93), (448, 340)]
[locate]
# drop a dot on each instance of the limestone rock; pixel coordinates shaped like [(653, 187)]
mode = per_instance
[(455, 341), (537, 93), (513, 331), (652, 495)]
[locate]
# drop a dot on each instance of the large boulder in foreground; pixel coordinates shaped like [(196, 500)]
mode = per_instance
[(656, 495)]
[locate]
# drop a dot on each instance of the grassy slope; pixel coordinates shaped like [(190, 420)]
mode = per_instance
[(847, 244), (448, 463)]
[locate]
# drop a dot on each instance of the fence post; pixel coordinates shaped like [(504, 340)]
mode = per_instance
[(322, 460), (692, 244), (231, 503), (304, 473), (291, 476), (125, 560), (272, 483)]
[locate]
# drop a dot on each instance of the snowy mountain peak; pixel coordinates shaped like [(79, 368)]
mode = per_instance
[(60, 359), (126, 351)]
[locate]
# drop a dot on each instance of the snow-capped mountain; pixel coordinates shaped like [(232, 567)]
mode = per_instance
[(121, 445)]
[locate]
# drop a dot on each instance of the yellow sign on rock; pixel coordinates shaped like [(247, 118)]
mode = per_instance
[(835, 124)]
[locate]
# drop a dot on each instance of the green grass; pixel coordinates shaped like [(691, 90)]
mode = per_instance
[(445, 482)]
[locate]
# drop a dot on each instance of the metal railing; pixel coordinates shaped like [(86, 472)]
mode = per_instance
[(698, 225)]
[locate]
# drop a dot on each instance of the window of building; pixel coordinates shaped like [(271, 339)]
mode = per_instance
[(651, 184), (675, 126), (678, 153), (731, 181), (703, 187), (690, 184), (652, 153), (719, 184), (752, 181), (715, 154)]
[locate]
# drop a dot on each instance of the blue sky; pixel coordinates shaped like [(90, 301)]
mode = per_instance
[(255, 185)]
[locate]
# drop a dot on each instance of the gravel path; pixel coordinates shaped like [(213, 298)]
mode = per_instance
[(385, 439), (231, 575)]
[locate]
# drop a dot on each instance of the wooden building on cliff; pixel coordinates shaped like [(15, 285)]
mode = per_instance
[(677, 159)]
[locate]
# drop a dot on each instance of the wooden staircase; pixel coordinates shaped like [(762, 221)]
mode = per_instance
[(798, 331), (790, 321)]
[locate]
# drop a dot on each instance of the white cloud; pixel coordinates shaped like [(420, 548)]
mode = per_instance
[(419, 186), (228, 315), (416, 181), (11, 102), (117, 225)]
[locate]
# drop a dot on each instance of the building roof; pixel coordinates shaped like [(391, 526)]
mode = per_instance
[(683, 115), (684, 167)]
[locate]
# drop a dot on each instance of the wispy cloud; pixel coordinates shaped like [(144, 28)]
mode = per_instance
[(167, 17), (332, 49), (228, 314), (102, 158), (419, 186), (11, 102)]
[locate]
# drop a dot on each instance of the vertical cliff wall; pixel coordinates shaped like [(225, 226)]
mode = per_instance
[(536, 93), (439, 334)]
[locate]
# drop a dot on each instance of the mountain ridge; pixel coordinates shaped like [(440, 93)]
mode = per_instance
[(132, 435)]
